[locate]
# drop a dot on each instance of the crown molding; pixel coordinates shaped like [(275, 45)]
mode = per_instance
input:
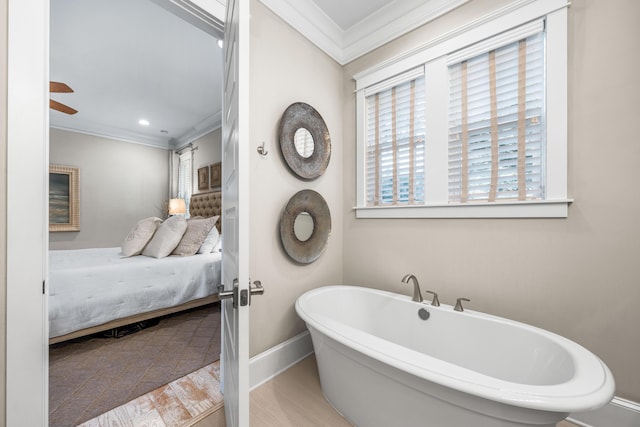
[(205, 126), (209, 124), (381, 27), (309, 20), (207, 15), (116, 135)]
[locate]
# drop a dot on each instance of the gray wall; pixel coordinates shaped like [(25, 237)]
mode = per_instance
[(580, 276), (286, 68), (209, 151), (120, 183)]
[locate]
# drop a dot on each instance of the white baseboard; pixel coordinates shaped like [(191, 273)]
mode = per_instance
[(619, 413), (270, 363), (263, 367)]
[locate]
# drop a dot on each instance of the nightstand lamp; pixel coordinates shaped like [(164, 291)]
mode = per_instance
[(177, 207)]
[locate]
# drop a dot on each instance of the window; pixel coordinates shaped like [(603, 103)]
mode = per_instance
[(471, 126), (496, 123), (395, 143), (185, 174)]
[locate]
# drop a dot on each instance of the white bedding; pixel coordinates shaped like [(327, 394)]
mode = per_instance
[(89, 287)]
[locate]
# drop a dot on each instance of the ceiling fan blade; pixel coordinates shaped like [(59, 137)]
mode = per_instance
[(58, 87), (61, 107)]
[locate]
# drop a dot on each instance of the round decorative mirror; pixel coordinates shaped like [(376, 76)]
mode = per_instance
[(304, 141), (305, 225)]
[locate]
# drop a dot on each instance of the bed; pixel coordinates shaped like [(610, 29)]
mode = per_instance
[(95, 290)]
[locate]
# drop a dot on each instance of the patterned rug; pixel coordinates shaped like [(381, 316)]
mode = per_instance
[(92, 375)]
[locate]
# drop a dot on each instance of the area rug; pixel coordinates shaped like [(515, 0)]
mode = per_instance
[(92, 375)]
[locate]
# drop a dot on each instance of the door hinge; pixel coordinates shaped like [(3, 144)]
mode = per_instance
[(43, 287)]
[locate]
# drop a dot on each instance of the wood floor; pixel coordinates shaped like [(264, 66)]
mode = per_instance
[(183, 402), (292, 399)]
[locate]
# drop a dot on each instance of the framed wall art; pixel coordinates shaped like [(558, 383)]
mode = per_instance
[(64, 198), (216, 175), (203, 178)]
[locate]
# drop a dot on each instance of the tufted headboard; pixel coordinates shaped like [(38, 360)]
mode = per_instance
[(207, 205)]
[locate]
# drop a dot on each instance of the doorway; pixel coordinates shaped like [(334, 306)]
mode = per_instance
[(130, 377), (26, 358)]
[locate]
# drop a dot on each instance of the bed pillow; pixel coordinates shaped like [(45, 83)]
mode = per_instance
[(211, 240), (218, 246), (139, 236), (166, 238), (197, 231)]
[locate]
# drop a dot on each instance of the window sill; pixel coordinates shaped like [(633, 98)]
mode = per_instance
[(529, 209)]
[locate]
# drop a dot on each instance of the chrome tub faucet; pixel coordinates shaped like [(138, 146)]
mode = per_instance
[(417, 295), (458, 306), (435, 301)]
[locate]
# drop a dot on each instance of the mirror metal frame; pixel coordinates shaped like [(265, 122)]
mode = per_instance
[(310, 250), (300, 115)]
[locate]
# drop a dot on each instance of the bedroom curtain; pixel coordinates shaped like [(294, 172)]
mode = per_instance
[(185, 174)]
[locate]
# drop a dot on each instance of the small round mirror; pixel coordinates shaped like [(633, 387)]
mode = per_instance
[(303, 141), (303, 226)]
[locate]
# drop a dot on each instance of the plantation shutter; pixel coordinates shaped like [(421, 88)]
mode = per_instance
[(496, 118), (185, 174), (395, 141)]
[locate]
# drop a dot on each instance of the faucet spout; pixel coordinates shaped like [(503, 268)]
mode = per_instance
[(417, 295)]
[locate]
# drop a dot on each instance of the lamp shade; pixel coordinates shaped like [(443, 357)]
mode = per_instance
[(177, 207)]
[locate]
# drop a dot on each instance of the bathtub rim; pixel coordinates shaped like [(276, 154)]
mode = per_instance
[(591, 387)]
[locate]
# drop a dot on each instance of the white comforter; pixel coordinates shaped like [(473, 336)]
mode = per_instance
[(89, 287)]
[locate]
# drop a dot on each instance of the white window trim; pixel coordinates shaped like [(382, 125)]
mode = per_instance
[(556, 201)]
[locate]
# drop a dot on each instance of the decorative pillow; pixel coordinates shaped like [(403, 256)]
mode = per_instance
[(166, 238), (197, 231), (212, 239), (139, 236)]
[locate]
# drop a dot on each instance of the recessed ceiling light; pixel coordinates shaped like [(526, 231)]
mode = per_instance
[(220, 44), (143, 122)]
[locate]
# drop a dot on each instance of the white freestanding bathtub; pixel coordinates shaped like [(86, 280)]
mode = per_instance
[(380, 364)]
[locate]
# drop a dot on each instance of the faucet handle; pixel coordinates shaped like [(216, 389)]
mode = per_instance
[(434, 302), (458, 306)]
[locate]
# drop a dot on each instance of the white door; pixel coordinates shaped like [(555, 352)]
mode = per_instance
[(26, 215), (235, 214)]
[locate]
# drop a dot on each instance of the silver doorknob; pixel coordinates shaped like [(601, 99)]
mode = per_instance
[(224, 294), (256, 289), (233, 293)]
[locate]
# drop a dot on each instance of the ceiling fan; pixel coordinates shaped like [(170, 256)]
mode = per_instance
[(57, 87)]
